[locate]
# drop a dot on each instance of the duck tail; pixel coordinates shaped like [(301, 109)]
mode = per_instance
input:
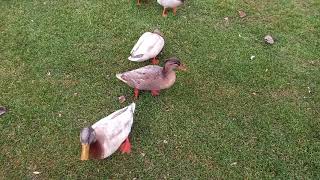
[(130, 58), (119, 76), (136, 58), (133, 107)]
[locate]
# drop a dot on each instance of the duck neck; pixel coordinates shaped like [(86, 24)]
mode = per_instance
[(166, 70)]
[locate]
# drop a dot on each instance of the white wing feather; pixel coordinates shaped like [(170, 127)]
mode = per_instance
[(140, 40)]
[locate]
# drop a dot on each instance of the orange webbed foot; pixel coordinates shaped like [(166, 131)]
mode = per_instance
[(174, 11), (154, 61), (164, 12), (155, 92), (136, 93), (125, 147)]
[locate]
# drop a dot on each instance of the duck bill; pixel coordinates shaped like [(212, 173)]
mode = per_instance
[(182, 67), (85, 152)]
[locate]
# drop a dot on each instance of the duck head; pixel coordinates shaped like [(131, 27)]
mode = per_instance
[(87, 137), (172, 64)]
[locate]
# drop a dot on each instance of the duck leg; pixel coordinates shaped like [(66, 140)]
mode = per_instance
[(155, 61), (164, 12), (136, 93), (155, 92), (174, 11), (125, 147)]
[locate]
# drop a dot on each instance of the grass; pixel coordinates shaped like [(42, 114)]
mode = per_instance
[(228, 117)]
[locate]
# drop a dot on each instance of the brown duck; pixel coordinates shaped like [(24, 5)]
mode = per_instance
[(138, 2), (152, 77)]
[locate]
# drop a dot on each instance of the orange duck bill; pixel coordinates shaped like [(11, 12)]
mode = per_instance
[(182, 67), (85, 152)]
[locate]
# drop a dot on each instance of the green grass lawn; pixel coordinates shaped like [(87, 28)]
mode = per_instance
[(227, 117)]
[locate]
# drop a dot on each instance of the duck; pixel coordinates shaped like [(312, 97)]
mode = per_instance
[(149, 45), (107, 135), (152, 77), (170, 4), (138, 2), (3, 110)]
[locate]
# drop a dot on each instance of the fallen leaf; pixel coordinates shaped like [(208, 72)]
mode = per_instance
[(252, 57), (234, 163), (122, 99), (49, 73), (242, 14), (226, 18), (36, 172), (3, 110), (254, 93), (143, 154), (268, 39), (165, 141)]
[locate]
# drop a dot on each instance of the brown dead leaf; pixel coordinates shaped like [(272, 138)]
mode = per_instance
[(234, 163), (268, 39), (242, 14), (122, 99)]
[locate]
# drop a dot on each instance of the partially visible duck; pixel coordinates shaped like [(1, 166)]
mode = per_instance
[(3, 110), (152, 77), (138, 2), (107, 135), (170, 4), (148, 47)]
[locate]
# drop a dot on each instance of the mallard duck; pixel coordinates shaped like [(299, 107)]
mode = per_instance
[(152, 77), (170, 4), (106, 136), (148, 46)]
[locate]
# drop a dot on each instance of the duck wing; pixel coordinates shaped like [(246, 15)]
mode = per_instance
[(145, 78), (148, 46)]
